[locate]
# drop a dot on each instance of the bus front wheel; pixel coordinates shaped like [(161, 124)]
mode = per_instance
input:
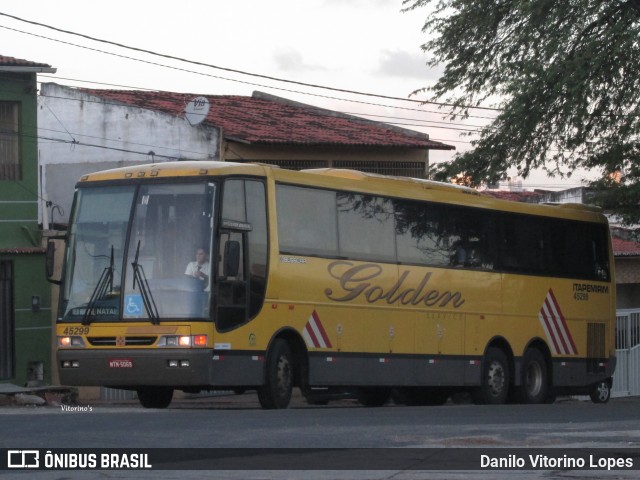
[(494, 386), (155, 397), (276, 392)]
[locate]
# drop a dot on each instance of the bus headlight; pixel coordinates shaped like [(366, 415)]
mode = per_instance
[(71, 342), (183, 341)]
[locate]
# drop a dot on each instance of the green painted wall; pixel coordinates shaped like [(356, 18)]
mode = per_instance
[(20, 238)]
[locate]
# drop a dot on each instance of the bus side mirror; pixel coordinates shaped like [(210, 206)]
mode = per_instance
[(231, 266), (50, 262)]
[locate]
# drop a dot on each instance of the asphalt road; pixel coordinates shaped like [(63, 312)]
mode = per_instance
[(238, 422)]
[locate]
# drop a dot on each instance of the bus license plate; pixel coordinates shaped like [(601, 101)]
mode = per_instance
[(120, 363)]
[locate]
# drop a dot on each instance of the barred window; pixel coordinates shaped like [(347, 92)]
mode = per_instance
[(10, 168)]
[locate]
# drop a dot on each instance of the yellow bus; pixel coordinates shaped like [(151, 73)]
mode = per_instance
[(201, 276)]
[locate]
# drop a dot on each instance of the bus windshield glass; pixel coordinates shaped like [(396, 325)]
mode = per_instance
[(157, 269)]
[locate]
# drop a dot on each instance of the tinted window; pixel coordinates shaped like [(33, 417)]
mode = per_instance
[(307, 223), (444, 235), (579, 250), (257, 217), (366, 227)]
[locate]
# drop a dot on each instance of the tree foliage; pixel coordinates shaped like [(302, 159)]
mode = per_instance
[(566, 79)]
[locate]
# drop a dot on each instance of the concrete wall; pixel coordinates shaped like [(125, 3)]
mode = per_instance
[(80, 133), (571, 195)]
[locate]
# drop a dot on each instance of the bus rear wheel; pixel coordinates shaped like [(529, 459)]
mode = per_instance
[(494, 386), (601, 392), (155, 397), (534, 388), (276, 392)]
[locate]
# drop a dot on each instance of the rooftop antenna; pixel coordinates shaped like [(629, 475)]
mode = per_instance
[(196, 111)]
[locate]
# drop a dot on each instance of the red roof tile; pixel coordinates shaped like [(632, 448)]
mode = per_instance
[(263, 119), (18, 62), (625, 248)]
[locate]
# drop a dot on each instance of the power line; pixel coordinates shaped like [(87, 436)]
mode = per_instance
[(75, 142), (423, 123), (409, 119), (360, 102), (232, 70)]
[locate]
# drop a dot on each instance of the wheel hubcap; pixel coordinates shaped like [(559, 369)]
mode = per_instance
[(603, 391), (496, 379), (284, 376)]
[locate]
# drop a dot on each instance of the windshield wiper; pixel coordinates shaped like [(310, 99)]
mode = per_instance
[(140, 278), (104, 286)]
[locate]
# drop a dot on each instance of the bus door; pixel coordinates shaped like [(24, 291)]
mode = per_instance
[(232, 281), (242, 251)]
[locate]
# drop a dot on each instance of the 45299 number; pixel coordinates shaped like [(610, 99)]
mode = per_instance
[(76, 331)]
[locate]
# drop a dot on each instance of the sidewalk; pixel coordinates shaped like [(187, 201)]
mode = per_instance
[(52, 395)]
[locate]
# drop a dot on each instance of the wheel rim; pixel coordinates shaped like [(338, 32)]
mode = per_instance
[(533, 379), (496, 379), (602, 391)]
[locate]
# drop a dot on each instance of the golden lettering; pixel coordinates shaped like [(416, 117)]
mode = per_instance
[(359, 280)]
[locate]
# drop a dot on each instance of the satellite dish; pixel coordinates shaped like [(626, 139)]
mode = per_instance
[(196, 110)]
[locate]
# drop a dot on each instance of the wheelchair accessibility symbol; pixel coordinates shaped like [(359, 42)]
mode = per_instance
[(133, 305)]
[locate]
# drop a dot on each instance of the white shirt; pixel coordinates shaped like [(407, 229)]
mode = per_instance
[(193, 268)]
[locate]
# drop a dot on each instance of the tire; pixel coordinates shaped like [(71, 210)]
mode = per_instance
[(155, 397), (276, 392), (535, 382), (601, 392), (494, 387), (374, 396)]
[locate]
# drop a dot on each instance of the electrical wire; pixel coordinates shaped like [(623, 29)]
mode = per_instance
[(227, 69)]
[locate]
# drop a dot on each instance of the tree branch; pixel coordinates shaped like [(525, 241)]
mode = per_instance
[(635, 4)]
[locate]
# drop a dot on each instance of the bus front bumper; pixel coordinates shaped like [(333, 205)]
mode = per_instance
[(132, 368)]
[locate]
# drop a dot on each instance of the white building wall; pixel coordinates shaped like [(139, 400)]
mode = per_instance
[(80, 133), (571, 195)]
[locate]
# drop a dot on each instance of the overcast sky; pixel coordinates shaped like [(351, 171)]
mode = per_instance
[(361, 45)]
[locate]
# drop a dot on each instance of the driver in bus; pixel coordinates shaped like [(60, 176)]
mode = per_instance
[(200, 268)]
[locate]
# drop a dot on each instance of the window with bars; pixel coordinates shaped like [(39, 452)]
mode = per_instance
[(397, 169), (296, 164), (10, 167)]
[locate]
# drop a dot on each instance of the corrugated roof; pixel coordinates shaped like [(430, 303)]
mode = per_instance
[(263, 119)]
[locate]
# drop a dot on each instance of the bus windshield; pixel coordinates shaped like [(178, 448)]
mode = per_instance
[(158, 268)]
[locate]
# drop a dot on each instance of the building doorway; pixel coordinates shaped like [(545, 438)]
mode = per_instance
[(7, 322)]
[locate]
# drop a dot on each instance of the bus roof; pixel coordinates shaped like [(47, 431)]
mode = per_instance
[(350, 180)]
